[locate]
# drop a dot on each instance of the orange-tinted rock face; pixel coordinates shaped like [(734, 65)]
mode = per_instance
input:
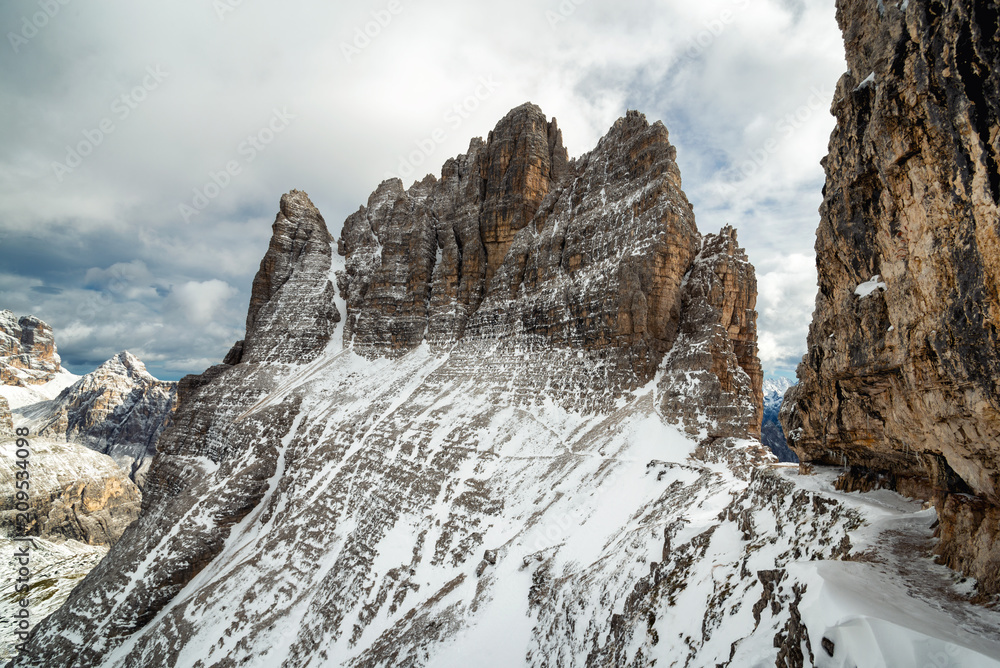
[(76, 493), (903, 380), (523, 158), (27, 351)]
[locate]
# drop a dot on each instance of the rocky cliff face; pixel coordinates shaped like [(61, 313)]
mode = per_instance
[(27, 351), (517, 246), (119, 410), (295, 271), (901, 378), (75, 494), (419, 261)]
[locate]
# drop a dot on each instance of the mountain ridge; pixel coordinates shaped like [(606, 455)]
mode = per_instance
[(411, 420)]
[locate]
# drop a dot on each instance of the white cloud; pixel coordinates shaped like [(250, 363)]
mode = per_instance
[(199, 303), (721, 74)]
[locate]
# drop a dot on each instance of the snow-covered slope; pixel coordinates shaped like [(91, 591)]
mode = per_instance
[(19, 396), (417, 517), (56, 568)]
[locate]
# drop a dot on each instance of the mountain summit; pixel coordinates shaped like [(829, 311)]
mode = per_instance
[(475, 405)]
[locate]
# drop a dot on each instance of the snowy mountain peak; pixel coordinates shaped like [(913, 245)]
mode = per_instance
[(125, 364), (776, 385), (118, 409), (480, 419)]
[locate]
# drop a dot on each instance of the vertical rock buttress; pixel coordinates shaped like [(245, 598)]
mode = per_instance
[(901, 381)]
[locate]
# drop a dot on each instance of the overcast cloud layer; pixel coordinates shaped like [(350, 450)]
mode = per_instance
[(115, 113)]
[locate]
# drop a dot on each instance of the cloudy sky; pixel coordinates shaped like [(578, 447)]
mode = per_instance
[(146, 145)]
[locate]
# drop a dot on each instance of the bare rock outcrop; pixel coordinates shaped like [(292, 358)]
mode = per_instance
[(292, 302), (901, 381), (119, 410), (717, 344), (76, 493), (419, 261), (421, 264), (27, 351)]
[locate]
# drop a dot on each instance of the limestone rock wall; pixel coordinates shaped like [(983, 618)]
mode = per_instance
[(27, 351), (119, 409), (76, 493), (902, 375), (420, 260), (293, 309), (516, 244)]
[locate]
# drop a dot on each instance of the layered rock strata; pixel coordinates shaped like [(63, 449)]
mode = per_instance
[(901, 381), (420, 264), (27, 351), (119, 409), (529, 349), (75, 494), (296, 268)]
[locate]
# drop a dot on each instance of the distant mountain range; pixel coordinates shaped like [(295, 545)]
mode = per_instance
[(771, 433)]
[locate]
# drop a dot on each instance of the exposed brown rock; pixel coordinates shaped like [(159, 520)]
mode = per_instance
[(76, 493), (422, 264), (27, 351), (717, 344), (905, 382), (524, 158), (602, 264), (420, 260), (119, 409)]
